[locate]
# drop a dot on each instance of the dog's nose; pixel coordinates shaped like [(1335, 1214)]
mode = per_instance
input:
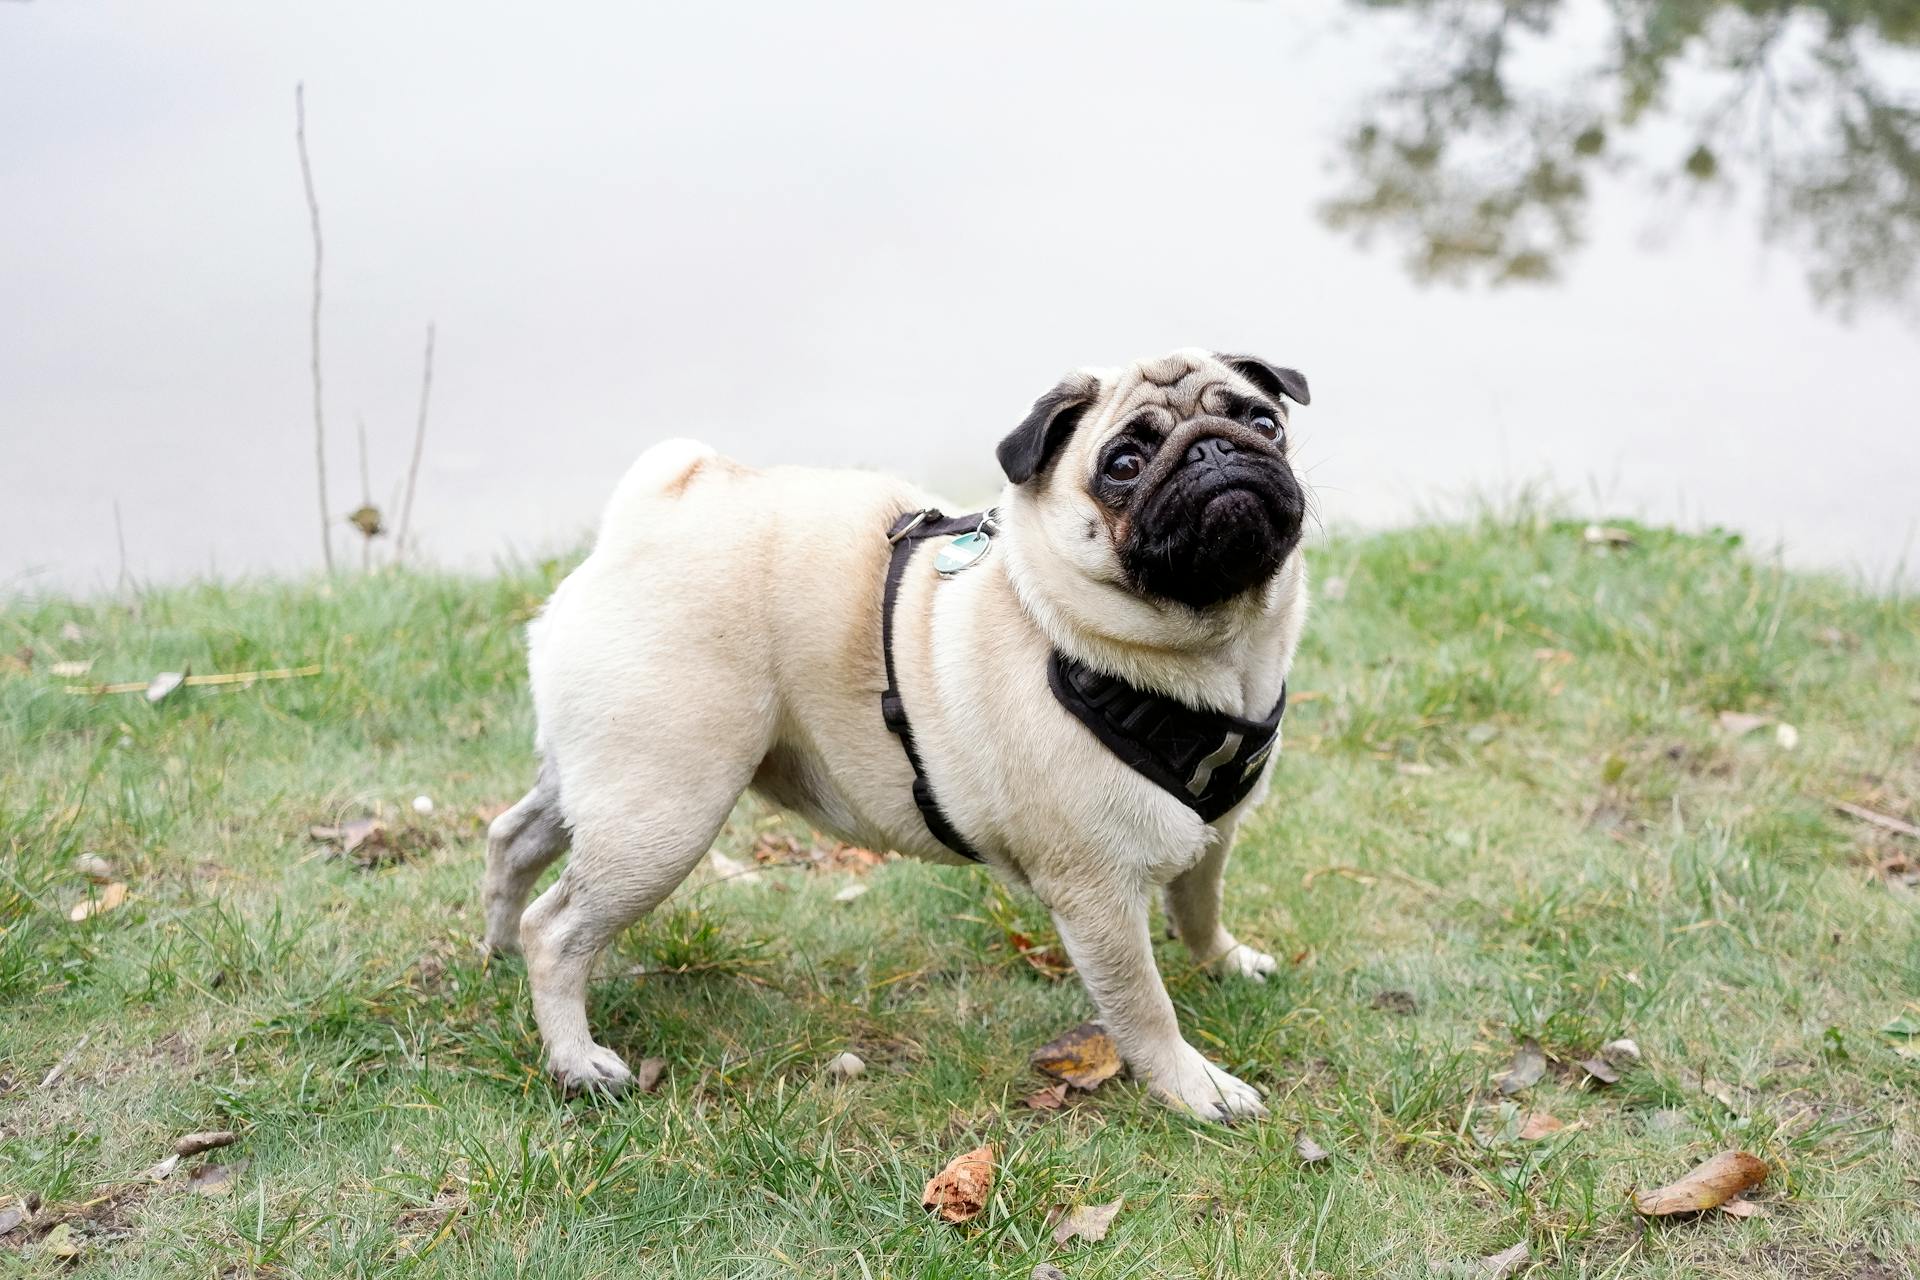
[(1215, 447)]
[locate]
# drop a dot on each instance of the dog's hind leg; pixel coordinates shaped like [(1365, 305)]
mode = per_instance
[(521, 843), (630, 851)]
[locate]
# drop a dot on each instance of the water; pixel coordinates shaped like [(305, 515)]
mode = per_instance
[(1580, 246)]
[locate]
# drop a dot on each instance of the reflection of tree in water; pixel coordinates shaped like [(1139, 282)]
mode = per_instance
[(1489, 176)]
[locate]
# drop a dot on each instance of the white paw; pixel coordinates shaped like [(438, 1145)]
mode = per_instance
[(1194, 1084), (1242, 961), (589, 1069)]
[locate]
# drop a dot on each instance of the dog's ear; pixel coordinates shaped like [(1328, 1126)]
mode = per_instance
[(1270, 378), (1026, 452)]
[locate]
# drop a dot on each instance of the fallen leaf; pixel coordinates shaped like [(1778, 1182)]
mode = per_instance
[(1415, 769), (1606, 535), (110, 897), (72, 632), (1498, 1266), (1089, 1221), (1601, 1071), (163, 1170), (59, 1242), (846, 1066), (1744, 1209), (1738, 724), (366, 518), (70, 668), (1046, 961), (1047, 1271), (1528, 1065), (164, 684), (1309, 1151), (1084, 1057), (94, 867), (1537, 1125), (851, 892), (1712, 1184), (1051, 1098), (1400, 1002), (211, 1179), (1905, 1024), (193, 1144), (959, 1192), (12, 1216), (731, 870), (647, 1076), (66, 1060), (1786, 736)]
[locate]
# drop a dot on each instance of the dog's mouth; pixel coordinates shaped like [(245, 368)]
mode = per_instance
[(1211, 533)]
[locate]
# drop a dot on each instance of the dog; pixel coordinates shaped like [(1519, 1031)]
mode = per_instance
[(733, 629)]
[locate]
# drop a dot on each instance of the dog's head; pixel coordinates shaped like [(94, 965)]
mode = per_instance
[(1168, 478)]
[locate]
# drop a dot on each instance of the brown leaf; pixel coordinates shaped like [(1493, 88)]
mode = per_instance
[(1712, 1184), (1599, 1070), (1046, 961), (1738, 724), (1744, 1209), (1309, 1151), (1051, 1098), (215, 1179), (1524, 1072), (1399, 1002), (110, 897), (1047, 1271), (94, 867), (1089, 1221), (164, 684), (1498, 1266), (163, 1170), (1538, 1125), (648, 1075), (1606, 535), (193, 1144), (366, 518), (1621, 1053), (1084, 1057), (959, 1192), (12, 1216), (59, 1243)]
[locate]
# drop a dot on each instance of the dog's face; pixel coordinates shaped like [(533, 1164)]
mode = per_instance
[(1174, 470)]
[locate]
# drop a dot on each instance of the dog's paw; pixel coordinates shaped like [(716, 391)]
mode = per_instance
[(590, 1069), (1196, 1085), (491, 945), (1242, 961)]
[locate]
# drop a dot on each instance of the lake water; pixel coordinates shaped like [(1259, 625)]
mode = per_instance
[(1582, 247)]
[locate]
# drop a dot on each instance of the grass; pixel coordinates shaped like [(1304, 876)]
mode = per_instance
[(1504, 793)]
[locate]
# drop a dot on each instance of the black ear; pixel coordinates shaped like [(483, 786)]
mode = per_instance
[(1026, 452), (1270, 378)]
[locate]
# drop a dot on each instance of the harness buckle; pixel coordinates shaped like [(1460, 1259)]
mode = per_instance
[(919, 518)]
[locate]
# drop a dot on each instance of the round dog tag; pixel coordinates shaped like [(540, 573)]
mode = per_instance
[(963, 552)]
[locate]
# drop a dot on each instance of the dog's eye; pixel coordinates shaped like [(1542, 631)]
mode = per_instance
[(1124, 466), (1265, 426)]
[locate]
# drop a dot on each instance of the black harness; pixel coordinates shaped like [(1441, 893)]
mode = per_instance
[(1207, 760)]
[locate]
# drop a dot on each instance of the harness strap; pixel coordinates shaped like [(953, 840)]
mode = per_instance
[(912, 528)]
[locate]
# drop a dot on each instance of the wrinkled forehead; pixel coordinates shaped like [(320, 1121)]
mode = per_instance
[(1177, 387)]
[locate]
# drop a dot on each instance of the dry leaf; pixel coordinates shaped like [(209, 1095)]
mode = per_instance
[(1047, 1271), (94, 867), (1738, 724), (1051, 1098), (1606, 535), (194, 1143), (164, 684), (215, 1179), (1524, 1072), (647, 1076), (846, 1066), (1046, 961), (110, 897), (1309, 1151), (849, 893), (1744, 1209), (1620, 1052), (366, 518), (72, 632), (731, 870), (959, 1192), (1084, 1057), (1090, 1222), (1498, 1266), (1537, 1125), (12, 1216), (1400, 1002), (162, 1171), (70, 668), (1785, 736), (1714, 1183)]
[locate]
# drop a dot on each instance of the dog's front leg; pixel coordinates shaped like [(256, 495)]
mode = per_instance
[(1193, 908), (1106, 932)]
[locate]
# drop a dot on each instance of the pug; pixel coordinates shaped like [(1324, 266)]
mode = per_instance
[(736, 628)]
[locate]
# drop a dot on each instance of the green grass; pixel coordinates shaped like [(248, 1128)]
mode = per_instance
[(1503, 792)]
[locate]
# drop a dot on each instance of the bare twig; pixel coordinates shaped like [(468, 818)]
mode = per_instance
[(1885, 821), (120, 536), (319, 418), (419, 439), (366, 494), (66, 1060), (218, 677)]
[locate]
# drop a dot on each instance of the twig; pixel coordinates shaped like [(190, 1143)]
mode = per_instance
[(419, 439), (218, 677), (319, 418), (120, 536), (66, 1060), (366, 493), (1885, 821)]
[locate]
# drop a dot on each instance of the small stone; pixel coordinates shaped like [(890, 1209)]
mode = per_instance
[(423, 805), (845, 1066), (1047, 1271)]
